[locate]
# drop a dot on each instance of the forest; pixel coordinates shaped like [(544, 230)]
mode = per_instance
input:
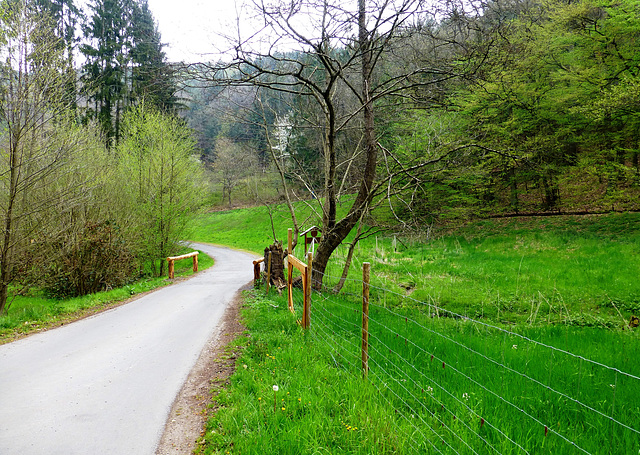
[(400, 113), (97, 170)]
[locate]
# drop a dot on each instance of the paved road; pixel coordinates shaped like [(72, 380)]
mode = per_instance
[(105, 384)]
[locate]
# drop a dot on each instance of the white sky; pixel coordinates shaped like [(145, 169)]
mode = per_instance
[(189, 27), (192, 29)]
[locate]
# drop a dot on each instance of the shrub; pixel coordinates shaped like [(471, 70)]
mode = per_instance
[(93, 260)]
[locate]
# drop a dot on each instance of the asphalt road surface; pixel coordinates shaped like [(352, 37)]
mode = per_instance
[(105, 384)]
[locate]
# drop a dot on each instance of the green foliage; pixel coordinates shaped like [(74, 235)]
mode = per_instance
[(160, 182), (98, 261), (451, 187), (551, 99), (40, 144)]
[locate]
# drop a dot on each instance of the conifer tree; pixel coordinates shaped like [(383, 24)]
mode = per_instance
[(152, 78), (105, 69), (125, 63)]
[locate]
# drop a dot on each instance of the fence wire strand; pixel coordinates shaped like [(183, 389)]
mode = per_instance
[(335, 323)]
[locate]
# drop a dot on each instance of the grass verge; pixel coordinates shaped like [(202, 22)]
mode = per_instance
[(317, 408), (436, 385)]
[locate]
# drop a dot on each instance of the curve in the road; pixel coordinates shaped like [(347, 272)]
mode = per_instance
[(105, 384)]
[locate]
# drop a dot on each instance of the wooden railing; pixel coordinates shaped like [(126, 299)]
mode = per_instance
[(172, 259), (292, 262), (305, 270)]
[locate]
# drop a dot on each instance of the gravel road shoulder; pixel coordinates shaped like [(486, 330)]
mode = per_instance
[(215, 365)]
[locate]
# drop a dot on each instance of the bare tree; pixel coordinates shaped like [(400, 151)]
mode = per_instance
[(232, 165), (337, 55)]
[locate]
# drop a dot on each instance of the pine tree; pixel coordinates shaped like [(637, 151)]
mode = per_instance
[(152, 78), (125, 63)]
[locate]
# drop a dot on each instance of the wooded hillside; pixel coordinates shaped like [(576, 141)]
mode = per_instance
[(503, 106)]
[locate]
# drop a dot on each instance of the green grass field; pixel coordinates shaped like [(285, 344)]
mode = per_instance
[(580, 271), (435, 385), (504, 336)]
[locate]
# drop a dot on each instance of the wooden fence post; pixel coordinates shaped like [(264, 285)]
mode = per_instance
[(171, 268), (290, 270), (366, 276), (269, 272), (256, 273), (307, 291)]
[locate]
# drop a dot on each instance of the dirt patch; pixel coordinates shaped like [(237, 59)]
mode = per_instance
[(214, 367)]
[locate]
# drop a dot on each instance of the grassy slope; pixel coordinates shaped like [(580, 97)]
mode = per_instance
[(571, 272), (574, 270), (579, 270), (251, 228)]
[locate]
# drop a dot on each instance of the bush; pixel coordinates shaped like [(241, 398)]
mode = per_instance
[(97, 259)]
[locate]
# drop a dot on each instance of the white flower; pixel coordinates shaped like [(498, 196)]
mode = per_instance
[(465, 396), (430, 389), (515, 346), (275, 388), (244, 366)]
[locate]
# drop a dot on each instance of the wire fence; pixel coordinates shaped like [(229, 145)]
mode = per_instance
[(465, 386)]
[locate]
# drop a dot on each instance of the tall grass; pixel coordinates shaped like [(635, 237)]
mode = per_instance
[(504, 336), (535, 272), (435, 385), (478, 388), (318, 408)]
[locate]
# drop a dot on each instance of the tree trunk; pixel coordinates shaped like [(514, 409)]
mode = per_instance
[(347, 263), (335, 232), (5, 260)]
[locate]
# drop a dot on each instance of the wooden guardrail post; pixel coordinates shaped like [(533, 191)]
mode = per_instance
[(290, 270), (171, 268), (171, 260), (307, 291), (256, 271), (366, 275)]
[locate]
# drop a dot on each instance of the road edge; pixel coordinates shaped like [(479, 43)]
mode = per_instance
[(188, 414)]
